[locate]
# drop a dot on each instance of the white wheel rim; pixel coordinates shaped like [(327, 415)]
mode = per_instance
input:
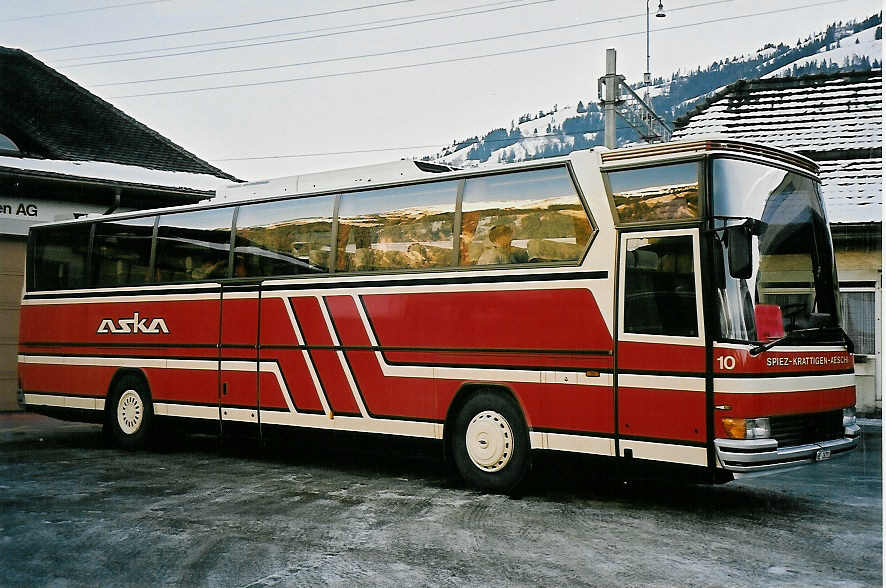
[(490, 441), (130, 412)]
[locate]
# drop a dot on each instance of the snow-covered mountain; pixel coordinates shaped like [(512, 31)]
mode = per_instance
[(565, 128)]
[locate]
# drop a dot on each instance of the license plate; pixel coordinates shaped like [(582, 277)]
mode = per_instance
[(822, 454)]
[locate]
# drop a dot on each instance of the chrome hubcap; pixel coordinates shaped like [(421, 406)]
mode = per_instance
[(130, 412), (490, 441)]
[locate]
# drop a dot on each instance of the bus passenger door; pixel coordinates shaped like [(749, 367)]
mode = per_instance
[(660, 357), (238, 356)]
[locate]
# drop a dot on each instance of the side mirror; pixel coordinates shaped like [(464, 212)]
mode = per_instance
[(738, 239)]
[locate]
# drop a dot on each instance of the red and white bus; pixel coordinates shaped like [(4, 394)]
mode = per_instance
[(674, 303)]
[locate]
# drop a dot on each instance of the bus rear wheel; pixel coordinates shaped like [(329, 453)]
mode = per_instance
[(490, 442), (130, 413)]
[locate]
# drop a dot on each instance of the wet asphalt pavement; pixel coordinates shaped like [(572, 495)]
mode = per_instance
[(313, 509)]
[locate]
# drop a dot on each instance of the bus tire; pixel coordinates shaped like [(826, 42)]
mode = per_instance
[(130, 412), (490, 442)]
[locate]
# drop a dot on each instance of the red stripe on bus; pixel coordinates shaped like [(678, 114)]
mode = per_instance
[(183, 385), (296, 377), (239, 324), (500, 359), (77, 380), (189, 322), (566, 407), (661, 357), (327, 363), (241, 387), (662, 414), (421, 398), (271, 395), (558, 319), (277, 329), (209, 352)]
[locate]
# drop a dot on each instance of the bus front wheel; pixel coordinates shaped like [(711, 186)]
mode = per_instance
[(130, 412), (490, 442)]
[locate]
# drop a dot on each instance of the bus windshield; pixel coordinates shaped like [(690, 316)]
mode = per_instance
[(792, 282)]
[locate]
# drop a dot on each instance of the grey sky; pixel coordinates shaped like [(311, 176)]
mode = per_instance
[(412, 106)]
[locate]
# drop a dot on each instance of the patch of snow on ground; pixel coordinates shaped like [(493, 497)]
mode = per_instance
[(867, 46)]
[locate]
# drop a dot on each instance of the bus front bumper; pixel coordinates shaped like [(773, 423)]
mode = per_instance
[(753, 456)]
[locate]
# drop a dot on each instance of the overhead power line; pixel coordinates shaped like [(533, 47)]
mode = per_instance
[(471, 57), (335, 34), (407, 147), (81, 10), (278, 35), (228, 27), (391, 52)]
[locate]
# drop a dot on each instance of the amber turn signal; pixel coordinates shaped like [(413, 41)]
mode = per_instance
[(735, 428)]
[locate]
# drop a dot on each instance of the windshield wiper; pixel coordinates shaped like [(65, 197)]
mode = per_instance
[(850, 346)]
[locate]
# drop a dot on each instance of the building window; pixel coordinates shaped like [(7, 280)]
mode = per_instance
[(859, 319)]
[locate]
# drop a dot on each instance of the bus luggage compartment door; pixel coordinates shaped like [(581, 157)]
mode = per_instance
[(238, 358)]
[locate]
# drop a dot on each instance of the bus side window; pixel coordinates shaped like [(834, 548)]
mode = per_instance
[(660, 287), (193, 245), (408, 227), (655, 194), (60, 258), (121, 251), (525, 217), (284, 237)]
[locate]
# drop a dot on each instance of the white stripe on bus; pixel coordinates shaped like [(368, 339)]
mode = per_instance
[(341, 357), (669, 452), (782, 384), (653, 381), (287, 304)]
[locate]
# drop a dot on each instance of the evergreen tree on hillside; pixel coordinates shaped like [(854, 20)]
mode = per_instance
[(682, 92)]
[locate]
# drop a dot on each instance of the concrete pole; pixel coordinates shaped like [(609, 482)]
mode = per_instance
[(609, 102)]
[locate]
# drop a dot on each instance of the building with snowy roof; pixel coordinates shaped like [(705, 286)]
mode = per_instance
[(65, 152), (836, 120)]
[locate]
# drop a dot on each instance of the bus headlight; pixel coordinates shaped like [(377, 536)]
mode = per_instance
[(757, 428), (747, 428), (849, 416)]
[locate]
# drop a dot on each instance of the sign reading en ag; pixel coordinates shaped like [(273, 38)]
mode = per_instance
[(21, 209)]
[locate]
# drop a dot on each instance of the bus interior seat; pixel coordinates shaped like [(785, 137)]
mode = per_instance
[(552, 250)]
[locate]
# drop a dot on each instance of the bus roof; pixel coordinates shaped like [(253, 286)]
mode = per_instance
[(410, 171)]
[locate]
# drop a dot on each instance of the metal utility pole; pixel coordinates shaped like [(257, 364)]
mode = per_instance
[(619, 98), (612, 83)]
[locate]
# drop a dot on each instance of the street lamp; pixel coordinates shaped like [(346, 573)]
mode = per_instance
[(647, 75)]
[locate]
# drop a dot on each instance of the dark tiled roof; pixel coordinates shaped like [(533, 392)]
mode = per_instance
[(852, 189), (50, 116), (810, 114), (835, 119)]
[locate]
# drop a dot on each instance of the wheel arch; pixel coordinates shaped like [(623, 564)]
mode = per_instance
[(461, 397), (119, 375)]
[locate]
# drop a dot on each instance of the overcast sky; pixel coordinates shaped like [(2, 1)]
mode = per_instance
[(404, 107)]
